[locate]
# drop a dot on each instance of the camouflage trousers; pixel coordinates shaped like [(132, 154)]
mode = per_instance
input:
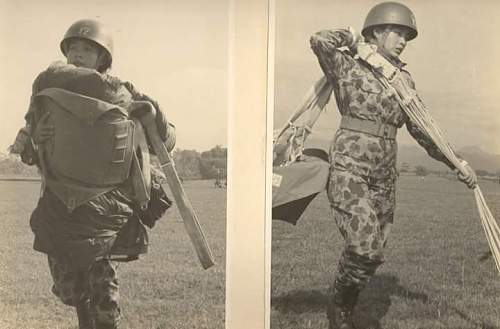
[(98, 286), (361, 191)]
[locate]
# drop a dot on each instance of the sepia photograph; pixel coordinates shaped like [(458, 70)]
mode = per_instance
[(386, 165), (113, 164)]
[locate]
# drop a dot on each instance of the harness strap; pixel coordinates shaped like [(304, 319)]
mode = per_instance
[(374, 128)]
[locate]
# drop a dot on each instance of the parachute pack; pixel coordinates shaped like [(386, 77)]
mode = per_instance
[(96, 145)]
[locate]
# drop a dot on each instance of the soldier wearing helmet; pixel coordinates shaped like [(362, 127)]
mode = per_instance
[(83, 242), (93, 34), (363, 172)]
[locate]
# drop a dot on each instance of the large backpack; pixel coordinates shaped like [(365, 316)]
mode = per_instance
[(95, 148)]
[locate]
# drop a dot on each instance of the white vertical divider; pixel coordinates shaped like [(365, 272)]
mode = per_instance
[(246, 202)]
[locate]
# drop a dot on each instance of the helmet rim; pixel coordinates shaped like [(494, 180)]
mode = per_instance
[(390, 13), (91, 30)]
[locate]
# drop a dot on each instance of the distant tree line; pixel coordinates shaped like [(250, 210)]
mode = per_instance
[(191, 164), (14, 166)]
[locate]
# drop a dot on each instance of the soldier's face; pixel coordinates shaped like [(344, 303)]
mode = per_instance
[(83, 53), (392, 40)]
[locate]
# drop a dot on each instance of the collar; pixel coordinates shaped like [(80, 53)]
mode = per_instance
[(394, 61)]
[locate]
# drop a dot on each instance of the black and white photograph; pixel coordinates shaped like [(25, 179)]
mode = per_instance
[(386, 165), (113, 164)]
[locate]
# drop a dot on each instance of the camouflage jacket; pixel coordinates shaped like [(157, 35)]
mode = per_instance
[(358, 92)]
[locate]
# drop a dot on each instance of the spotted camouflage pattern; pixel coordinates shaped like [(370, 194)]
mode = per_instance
[(362, 179), (98, 285), (361, 191), (357, 91)]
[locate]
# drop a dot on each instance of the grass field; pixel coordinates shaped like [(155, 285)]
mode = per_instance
[(166, 288), (437, 272)]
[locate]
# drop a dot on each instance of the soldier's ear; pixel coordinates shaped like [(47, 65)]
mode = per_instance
[(377, 32)]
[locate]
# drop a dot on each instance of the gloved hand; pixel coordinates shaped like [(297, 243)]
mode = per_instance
[(157, 206), (468, 177)]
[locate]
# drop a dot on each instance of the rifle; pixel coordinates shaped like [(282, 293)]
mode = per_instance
[(146, 115)]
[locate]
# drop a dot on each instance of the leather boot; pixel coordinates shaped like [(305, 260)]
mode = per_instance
[(341, 307), (84, 317)]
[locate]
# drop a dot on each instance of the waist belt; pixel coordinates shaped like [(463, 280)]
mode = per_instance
[(378, 129)]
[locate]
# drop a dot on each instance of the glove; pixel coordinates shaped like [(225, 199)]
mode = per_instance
[(157, 206), (467, 175)]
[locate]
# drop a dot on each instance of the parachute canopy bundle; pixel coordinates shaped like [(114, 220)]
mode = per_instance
[(299, 174)]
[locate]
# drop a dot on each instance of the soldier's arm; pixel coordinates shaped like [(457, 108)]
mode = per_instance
[(165, 128), (426, 142), (29, 153), (327, 45)]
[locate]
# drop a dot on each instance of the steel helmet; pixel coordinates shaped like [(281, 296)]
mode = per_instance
[(392, 13), (94, 31)]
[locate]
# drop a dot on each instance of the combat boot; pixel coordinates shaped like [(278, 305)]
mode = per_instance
[(341, 307)]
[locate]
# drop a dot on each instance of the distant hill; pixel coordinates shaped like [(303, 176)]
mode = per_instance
[(477, 158), (411, 154)]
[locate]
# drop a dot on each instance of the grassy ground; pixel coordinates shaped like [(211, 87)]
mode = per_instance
[(437, 273), (167, 288)]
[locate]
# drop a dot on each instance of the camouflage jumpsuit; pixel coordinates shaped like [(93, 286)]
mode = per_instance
[(363, 166)]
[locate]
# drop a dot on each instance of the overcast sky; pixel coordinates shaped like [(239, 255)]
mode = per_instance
[(455, 62), (174, 51)]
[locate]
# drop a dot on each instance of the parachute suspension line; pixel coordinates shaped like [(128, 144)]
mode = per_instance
[(416, 111), (289, 142)]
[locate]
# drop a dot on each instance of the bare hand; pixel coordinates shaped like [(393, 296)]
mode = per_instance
[(43, 131), (469, 177)]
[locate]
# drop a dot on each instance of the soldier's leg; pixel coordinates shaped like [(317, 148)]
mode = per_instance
[(384, 199), (70, 286), (356, 215), (104, 295)]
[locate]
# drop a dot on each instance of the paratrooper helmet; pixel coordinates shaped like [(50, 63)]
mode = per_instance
[(94, 31), (390, 13)]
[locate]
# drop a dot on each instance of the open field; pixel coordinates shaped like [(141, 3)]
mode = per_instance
[(437, 272), (166, 288)]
